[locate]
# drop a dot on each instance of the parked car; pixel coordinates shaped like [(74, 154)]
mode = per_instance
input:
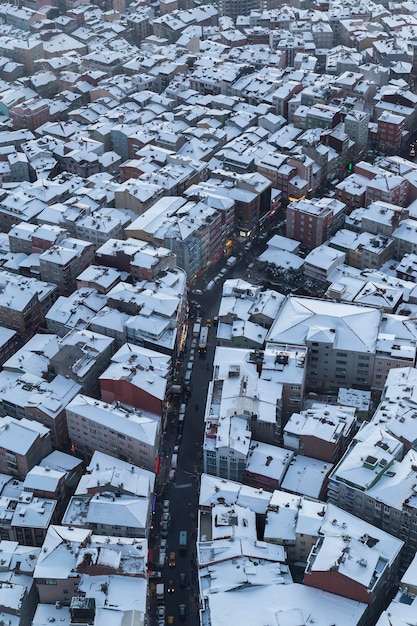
[(165, 506), (154, 574), (164, 528), (171, 586), (163, 545), (161, 612), (165, 518), (171, 561), (182, 612)]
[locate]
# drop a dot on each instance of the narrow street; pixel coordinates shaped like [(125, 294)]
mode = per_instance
[(183, 490)]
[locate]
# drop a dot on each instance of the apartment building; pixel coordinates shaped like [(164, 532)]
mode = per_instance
[(24, 302), (122, 432), (312, 222), (30, 114), (405, 237), (75, 311), (396, 348), (62, 263), (8, 343), (82, 356), (33, 238), (340, 338), (390, 132), (226, 447), (69, 553), (357, 128), (321, 431), (379, 218), (23, 443), (114, 498), (138, 377), (376, 481), (363, 250)]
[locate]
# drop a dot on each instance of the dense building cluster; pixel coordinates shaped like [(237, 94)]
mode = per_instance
[(142, 145)]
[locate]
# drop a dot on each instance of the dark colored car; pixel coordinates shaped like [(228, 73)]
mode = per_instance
[(183, 580), (182, 612)]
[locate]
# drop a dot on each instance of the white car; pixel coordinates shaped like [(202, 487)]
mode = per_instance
[(161, 612)]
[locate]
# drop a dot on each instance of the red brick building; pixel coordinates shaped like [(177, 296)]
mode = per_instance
[(30, 114), (390, 131)]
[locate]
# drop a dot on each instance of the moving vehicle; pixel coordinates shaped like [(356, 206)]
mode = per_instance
[(171, 561), (171, 586), (183, 541), (202, 343), (183, 580), (412, 151), (182, 612), (208, 322)]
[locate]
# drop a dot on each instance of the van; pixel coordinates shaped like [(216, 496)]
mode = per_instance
[(160, 592), (231, 261)]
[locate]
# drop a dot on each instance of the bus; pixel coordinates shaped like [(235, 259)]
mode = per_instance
[(183, 542), (202, 343)]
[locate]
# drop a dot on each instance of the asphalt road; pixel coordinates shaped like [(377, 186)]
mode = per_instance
[(183, 490)]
